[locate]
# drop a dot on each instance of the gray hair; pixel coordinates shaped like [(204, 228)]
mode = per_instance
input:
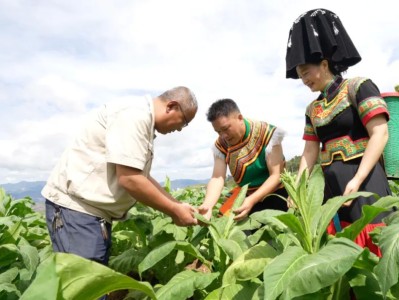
[(183, 95)]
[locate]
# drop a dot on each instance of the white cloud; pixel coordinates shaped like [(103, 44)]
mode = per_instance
[(60, 59)]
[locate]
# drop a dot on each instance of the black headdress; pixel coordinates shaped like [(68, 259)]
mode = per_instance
[(316, 35)]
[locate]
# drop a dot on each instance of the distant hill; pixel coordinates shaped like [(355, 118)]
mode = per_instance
[(182, 183), (33, 188), (25, 188)]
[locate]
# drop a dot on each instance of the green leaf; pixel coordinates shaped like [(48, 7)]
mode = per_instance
[(156, 255), (167, 185), (364, 284), (68, 276), (387, 269), (239, 291), (232, 248), (278, 274), (30, 257), (237, 203), (319, 270), (250, 264), (201, 218), (186, 247), (368, 215), (293, 223), (183, 285), (315, 194), (9, 275), (46, 285), (266, 215), (392, 218), (9, 291), (128, 260), (328, 210), (9, 254), (164, 250), (387, 202)]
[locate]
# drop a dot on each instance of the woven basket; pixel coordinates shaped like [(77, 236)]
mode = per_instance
[(391, 151)]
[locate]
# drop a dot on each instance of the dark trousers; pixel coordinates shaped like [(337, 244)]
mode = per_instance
[(78, 233)]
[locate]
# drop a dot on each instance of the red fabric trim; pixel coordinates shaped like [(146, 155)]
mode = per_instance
[(310, 138), (373, 113), (391, 94), (363, 239)]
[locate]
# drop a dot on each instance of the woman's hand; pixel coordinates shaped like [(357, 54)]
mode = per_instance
[(205, 211), (243, 211), (352, 187)]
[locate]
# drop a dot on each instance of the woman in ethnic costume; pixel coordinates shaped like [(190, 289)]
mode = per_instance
[(252, 150), (349, 117)]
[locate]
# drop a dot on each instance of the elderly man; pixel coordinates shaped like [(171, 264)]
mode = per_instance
[(107, 169)]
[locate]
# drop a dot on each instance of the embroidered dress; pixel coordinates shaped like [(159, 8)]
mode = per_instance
[(340, 127), (247, 160)]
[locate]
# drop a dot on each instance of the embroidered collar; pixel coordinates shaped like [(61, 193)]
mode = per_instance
[(332, 88)]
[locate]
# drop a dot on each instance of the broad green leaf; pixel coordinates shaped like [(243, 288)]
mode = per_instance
[(164, 250), (239, 291), (322, 269), (293, 223), (183, 285), (392, 218), (16, 229), (232, 248), (250, 264), (9, 254), (266, 215), (9, 291), (178, 232), (201, 218), (156, 255), (214, 295), (128, 260), (278, 274), (9, 275), (364, 284), (46, 285), (186, 247), (240, 238), (368, 215), (324, 216), (237, 203), (159, 224), (30, 257), (68, 276), (387, 202), (387, 269), (314, 194)]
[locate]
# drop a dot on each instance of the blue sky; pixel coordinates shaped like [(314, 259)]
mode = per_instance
[(60, 59)]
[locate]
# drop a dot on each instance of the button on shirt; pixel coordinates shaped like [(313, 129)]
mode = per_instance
[(85, 177)]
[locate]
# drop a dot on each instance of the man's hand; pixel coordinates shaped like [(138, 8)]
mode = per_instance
[(243, 211), (183, 215)]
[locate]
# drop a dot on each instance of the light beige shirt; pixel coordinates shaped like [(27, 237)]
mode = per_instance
[(85, 177)]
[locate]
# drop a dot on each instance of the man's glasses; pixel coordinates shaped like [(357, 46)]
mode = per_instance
[(184, 116)]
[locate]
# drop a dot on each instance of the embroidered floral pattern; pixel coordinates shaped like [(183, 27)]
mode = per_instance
[(344, 147), (322, 112)]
